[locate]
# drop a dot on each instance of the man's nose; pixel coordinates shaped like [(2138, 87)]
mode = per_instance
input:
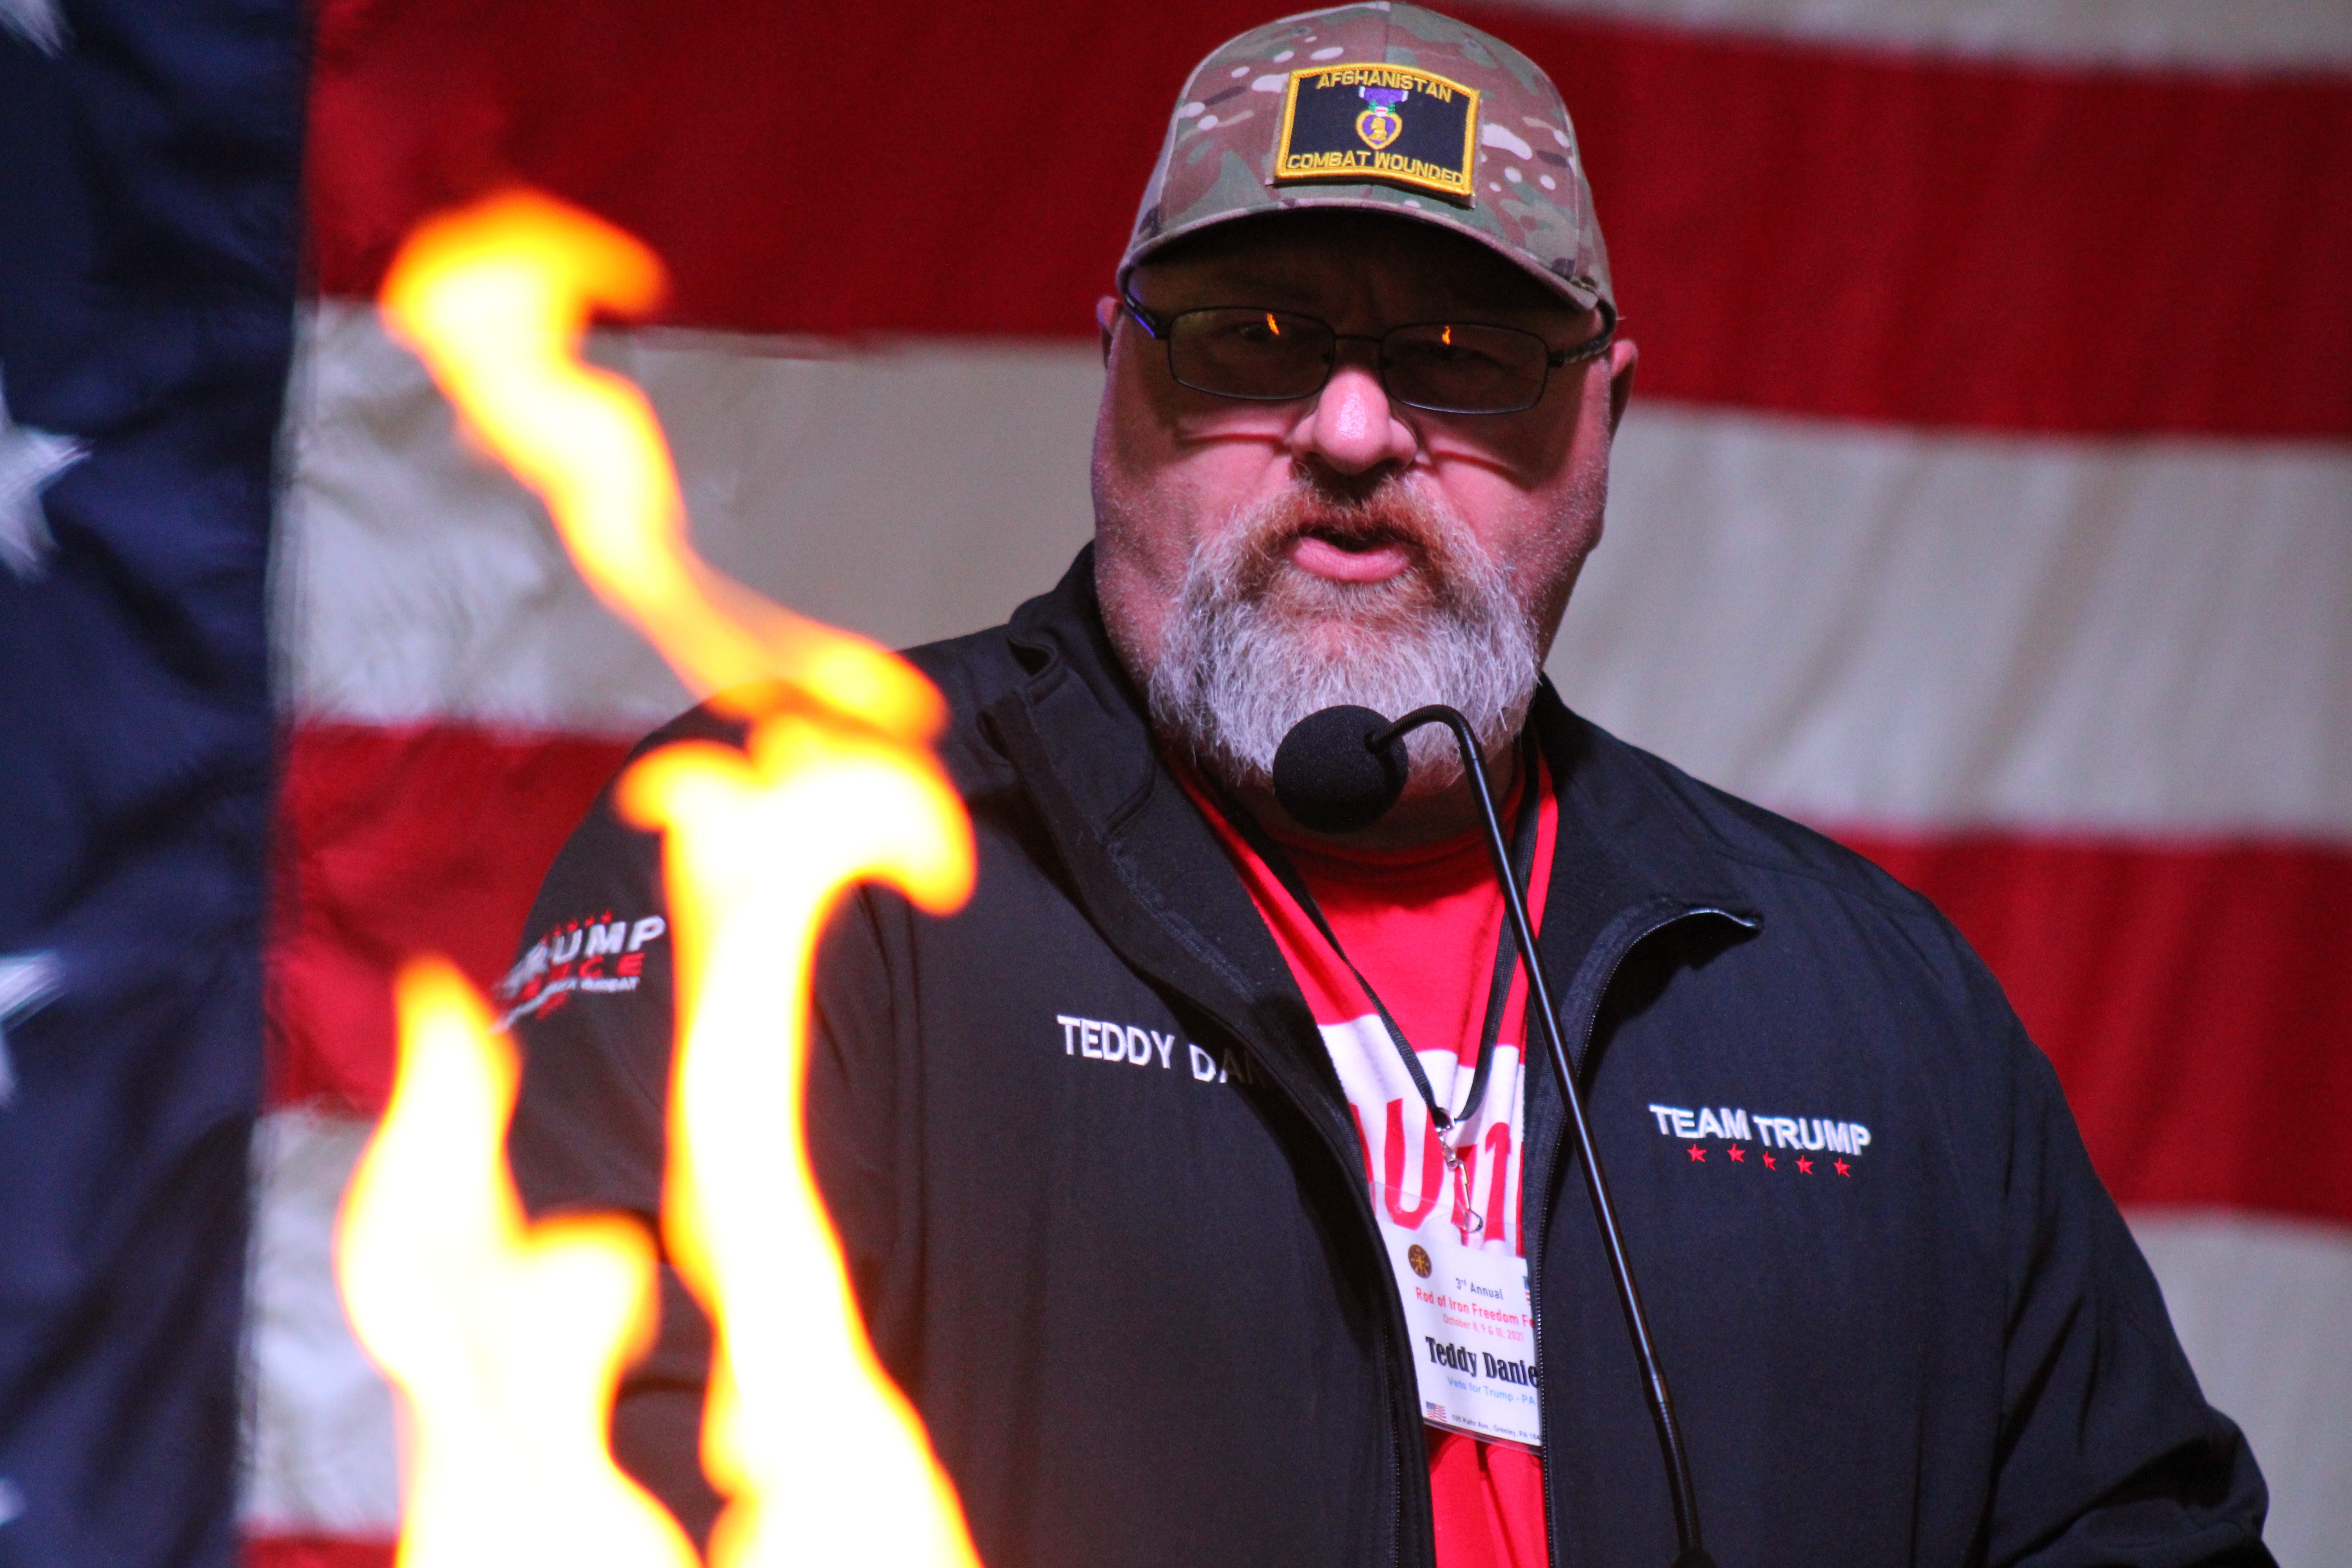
[(1352, 426)]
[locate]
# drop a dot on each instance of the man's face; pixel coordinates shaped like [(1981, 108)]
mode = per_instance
[(1258, 561)]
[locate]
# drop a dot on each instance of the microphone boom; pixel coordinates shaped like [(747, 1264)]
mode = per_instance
[(1333, 773)]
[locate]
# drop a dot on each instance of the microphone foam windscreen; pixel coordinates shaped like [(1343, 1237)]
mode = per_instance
[(1327, 775)]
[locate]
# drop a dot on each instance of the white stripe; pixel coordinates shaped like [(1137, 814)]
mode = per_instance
[(908, 496), (1858, 623), (2263, 1308), (1871, 625), (322, 1454), (2261, 35)]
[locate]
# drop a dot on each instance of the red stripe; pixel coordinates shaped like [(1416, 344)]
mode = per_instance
[(2193, 997), (396, 842), (316, 1552), (1954, 243), (1830, 232), (2194, 1000)]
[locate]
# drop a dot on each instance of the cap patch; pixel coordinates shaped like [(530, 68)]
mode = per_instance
[(1390, 123)]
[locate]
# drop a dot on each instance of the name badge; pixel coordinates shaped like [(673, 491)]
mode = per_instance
[(1474, 1336), (1473, 1326)]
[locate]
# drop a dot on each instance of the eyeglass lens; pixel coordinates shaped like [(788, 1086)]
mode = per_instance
[(1273, 355)]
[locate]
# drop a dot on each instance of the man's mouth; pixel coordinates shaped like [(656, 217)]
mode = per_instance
[(1349, 558)]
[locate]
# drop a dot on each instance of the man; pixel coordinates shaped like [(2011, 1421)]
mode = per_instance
[(1189, 1178)]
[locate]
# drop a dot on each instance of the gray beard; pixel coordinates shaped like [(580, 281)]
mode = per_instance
[(1253, 645)]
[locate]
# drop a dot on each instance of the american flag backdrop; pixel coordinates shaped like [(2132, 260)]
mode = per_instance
[(1986, 502), (149, 237)]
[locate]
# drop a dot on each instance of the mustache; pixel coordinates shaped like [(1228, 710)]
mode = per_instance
[(1390, 513)]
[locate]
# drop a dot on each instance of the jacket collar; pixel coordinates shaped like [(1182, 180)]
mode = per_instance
[(1124, 824), (1631, 860)]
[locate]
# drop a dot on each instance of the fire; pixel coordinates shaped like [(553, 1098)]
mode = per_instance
[(494, 299), (825, 1462), (819, 1455), (507, 1338)]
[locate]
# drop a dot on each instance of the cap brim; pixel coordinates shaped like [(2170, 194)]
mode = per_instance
[(1582, 292)]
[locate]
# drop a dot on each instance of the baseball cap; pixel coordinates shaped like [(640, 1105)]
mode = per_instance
[(1384, 108)]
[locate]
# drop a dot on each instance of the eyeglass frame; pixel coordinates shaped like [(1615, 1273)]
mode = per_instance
[(1161, 331)]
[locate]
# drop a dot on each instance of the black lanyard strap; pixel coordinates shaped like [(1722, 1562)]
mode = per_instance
[(1523, 855)]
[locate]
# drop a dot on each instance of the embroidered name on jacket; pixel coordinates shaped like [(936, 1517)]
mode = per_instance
[(1103, 1040)]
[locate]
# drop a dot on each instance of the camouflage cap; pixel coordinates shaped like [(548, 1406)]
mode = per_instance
[(1388, 108)]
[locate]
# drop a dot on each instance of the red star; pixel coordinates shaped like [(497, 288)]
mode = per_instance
[(1698, 1154), (1769, 1162), (1804, 1165), (1739, 1156), (1843, 1169)]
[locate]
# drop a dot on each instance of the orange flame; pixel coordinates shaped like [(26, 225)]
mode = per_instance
[(495, 299), (820, 1455), (825, 1462), (507, 1339)]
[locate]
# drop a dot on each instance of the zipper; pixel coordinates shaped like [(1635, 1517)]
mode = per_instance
[(1396, 1463), (1552, 1537), (1543, 1386)]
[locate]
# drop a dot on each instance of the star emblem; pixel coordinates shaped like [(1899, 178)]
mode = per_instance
[(1843, 1168), (30, 460), (39, 24), (1698, 1155), (1804, 1165), (1739, 1156), (27, 980), (1769, 1162)]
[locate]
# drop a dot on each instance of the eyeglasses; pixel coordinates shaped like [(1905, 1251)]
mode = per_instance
[(1258, 355)]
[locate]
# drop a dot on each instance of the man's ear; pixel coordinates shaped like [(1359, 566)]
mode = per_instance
[(1107, 318), (1623, 355)]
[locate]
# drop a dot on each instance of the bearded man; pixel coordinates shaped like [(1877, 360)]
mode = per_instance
[(1196, 1182)]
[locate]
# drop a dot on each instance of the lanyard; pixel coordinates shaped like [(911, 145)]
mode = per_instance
[(1523, 854)]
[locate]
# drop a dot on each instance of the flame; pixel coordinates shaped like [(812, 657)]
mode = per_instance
[(494, 299), (509, 1336), (802, 1414), (820, 1455)]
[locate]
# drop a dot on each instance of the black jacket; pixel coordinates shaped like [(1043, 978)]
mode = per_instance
[(1144, 1310)]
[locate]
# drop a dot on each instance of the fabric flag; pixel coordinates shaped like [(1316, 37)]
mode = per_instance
[(1987, 500), (148, 240)]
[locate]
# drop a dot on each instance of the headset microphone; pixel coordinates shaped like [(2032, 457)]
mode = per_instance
[(1339, 771)]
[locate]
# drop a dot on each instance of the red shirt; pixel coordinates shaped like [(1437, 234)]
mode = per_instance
[(1422, 924)]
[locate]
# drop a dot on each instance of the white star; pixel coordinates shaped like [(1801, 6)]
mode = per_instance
[(27, 980), (29, 460), (39, 23)]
